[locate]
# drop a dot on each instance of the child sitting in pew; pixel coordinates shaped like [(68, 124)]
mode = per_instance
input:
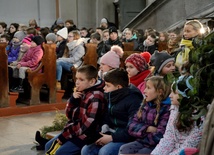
[(30, 60)]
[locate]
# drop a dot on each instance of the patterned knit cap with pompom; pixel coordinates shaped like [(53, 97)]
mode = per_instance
[(138, 61), (147, 56), (112, 58)]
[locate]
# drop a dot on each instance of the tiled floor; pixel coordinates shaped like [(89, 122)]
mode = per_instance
[(17, 133)]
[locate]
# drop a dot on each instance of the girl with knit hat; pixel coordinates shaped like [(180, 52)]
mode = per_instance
[(179, 137), (138, 70), (30, 60), (51, 38), (163, 63), (110, 60), (147, 56), (149, 123), (13, 72), (24, 47), (15, 46), (62, 36)]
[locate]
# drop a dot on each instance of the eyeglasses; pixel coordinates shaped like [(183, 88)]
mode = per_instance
[(70, 36)]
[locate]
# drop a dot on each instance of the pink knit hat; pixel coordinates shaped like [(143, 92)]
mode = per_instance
[(27, 39), (138, 61), (112, 58)]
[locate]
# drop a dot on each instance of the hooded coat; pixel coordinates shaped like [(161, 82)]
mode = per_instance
[(122, 105)]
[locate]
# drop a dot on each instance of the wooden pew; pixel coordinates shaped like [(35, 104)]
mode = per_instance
[(45, 74), (128, 46), (7, 99), (90, 57), (4, 82)]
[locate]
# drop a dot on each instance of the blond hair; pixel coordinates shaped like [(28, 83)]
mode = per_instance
[(160, 86), (197, 26), (76, 34)]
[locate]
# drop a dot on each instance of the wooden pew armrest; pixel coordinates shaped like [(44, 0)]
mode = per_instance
[(37, 70), (52, 134)]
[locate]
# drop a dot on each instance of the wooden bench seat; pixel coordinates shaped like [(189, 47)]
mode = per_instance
[(52, 134), (128, 46), (4, 82), (45, 74), (90, 57)]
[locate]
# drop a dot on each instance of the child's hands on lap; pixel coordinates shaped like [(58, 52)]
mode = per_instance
[(151, 129), (105, 139), (18, 66)]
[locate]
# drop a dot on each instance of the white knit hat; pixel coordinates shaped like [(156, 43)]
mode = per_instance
[(63, 33), (104, 21)]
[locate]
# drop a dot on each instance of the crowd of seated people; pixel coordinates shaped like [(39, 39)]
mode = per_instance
[(114, 110), (174, 42)]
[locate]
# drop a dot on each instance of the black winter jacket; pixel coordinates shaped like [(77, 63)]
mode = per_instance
[(122, 105)]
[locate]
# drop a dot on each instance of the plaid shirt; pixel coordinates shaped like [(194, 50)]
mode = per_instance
[(138, 127), (83, 113)]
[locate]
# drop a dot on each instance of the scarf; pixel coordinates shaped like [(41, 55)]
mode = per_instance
[(139, 78), (75, 43), (187, 43), (16, 44)]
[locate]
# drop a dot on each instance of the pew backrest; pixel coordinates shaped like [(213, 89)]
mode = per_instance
[(90, 57), (128, 46), (45, 74), (4, 83)]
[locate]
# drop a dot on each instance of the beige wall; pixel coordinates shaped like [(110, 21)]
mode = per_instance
[(86, 13), (68, 10), (21, 11), (170, 14)]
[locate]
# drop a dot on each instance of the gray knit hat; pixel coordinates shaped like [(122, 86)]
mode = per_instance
[(160, 59), (19, 35), (51, 37), (59, 21)]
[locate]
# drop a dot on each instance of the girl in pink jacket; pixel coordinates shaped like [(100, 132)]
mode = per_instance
[(30, 60)]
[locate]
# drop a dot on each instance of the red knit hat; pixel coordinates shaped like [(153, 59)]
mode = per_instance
[(138, 61), (146, 55)]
